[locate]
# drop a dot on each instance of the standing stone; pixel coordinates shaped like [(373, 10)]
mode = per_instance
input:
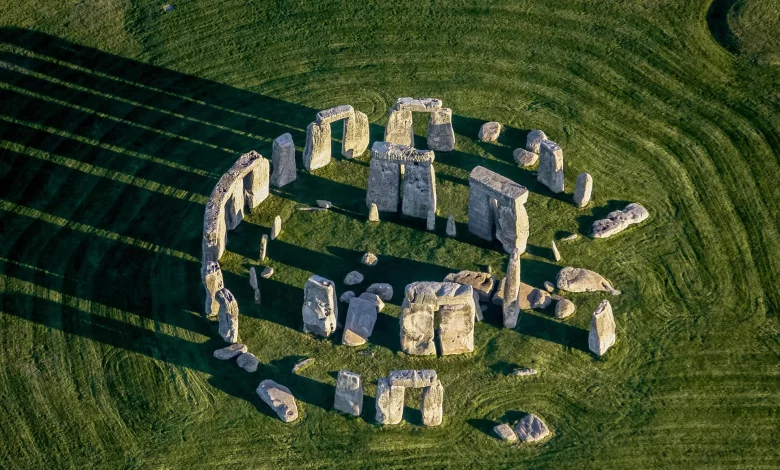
[(256, 182), (505, 432), (399, 129), (531, 429), (583, 189), (283, 159), (534, 140), (383, 290), (228, 316), (551, 166), (564, 308), (456, 330), (253, 277), (320, 309), (555, 252), (248, 362), (430, 221), (211, 274), (389, 402), (451, 230), (384, 182), (583, 280), (264, 246), (482, 283), (276, 228), (419, 191), (432, 404), (511, 307), (234, 208), (417, 330), (316, 153), (356, 136), (280, 399), (602, 329), (489, 131), (349, 393), (373, 213), (496, 209), (361, 318), (441, 136), (525, 158), (617, 221)]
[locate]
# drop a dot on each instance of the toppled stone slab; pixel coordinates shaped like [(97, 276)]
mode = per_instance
[(583, 280), (555, 252), (483, 283), (451, 229), (583, 189), (228, 316), (320, 309), (489, 131), (412, 378), (369, 259), (505, 432), (496, 209), (383, 290), (263, 247), (300, 365), (617, 221), (373, 298), (283, 159), (248, 362), (389, 402), (276, 228), (361, 318), (323, 204), (534, 140), (433, 404), (540, 299), (524, 372), (347, 296), (349, 393), (602, 329), (531, 429), (213, 282), (267, 272), (564, 308), (230, 352), (353, 278), (524, 158), (551, 166), (280, 399)]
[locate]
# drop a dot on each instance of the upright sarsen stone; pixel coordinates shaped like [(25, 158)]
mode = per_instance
[(320, 306), (441, 136), (417, 332), (550, 171), (456, 330), (384, 181), (256, 182), (349, 393), (283, 159), (356, 136), (361, 318), (583, 189), (228, 316), (389, 402), (316, 153), (399, 129), (496, 209), (419, 193), (602, 329), (432, 404), (211, 274), (511, 305)]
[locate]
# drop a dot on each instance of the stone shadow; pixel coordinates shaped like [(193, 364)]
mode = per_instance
[(585, 221), (534, 324)]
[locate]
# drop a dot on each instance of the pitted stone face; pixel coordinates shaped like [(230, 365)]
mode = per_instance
[(412, 378), (496, 209), (550, 171), (602, 329), (401, 153), (418, 105), (320, 307)]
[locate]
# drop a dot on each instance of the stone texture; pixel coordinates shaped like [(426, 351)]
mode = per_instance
[(432, 404), (383, 290), (248, 362), (211, 274), (564, 308), (264, 246), (458, 309), (540, 299), (399, 129), (369, 259), (534, 140), (420, 105), (483, 283), (256, 182), (496, 209), (524, 372), (555, 252), (551, 166), (252, 278), (228, 316), (489, 131), (441, 136), (505, 432), (316, 153), (617, 221), (525, 158), (276, 228), (267, 272), (347, 296), (531, 429), (283, 159), (451, 228), (570, 237), (417, 328), (373, 298), (549, 286), (361, 318), (234, 207), (320, 309), (419, 190), (511, 292), (412, 378), (456, 330), (353, 278), (430, 221), (280, 399), (583, 280), (323, 204), (373, 213), (389, 402), (583, 189), (336, 113), (602, 329), (356, 136), (300, 365), (349, 393), (498, 295), (230, 352), (384, 182)]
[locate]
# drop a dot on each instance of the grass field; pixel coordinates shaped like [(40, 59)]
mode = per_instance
[(117, 119)]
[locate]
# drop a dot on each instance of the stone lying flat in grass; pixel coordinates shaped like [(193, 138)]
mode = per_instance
[(505, 432), (602, 329), (583, 280), (248, 362), (383, 290), (555, 252), (570, 237), (353, 278), (280, 399), (483, 283), (564, 308), (524, 158), (531, 429), (524, 372), (300, 365), (230, 352), (369, 259), (617, 221), (489, 131), (361, 318)]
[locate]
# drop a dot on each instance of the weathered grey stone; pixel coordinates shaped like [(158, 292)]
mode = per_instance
[(316, 153), (419, 191), (373, 298), (525, 158), (276, 228), (617, 221), (498, 295), (383, 290), (432, 404), (211, 274), (511, 307), (253, 278), (489, 131), (323, 204), (524, 372), (483, 283), (505, 432), (361, 318), (555, 252), (602, 329), (320, 309), (412, 378), (420, 105), (234, 208), (441, 136), (456, 330), (480, 308), (564, 308), (336, 113), (280, 399), (248, 362), (349, 393), (256, 182), (456, 302), (267, 272), (534, 140), (496, 209), (300, 365), (356, 136), (540, 299), (399, 129), (451, 229), (549, 286), (369, 259), (583, 280), (531, 429), (373, 213), (264, 246), (228, 316), (230, 352), (389, 402), (417, 329), (283, 159), (570, 237), (551, 166), (347, 296), (583, 189), (353, 278)]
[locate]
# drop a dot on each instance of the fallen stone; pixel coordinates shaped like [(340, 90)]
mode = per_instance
[(534, 140), (539, 299), (524, 372), (411, 378), (564, 308), (482, 283), (283, 159), (602, 329), (230, 352), (525, 158), (432, 404), (555, 252), (383, 290), (248, 362), (505, 432), (451, 229), (361, 318), (369, 259), (389, 402), (373, 298), (531, 429), (583, 280), (347, 296), (267, 272), (228, 316), (276, 229), (280, 399), (550, 171), (489, 131), (617, 221), (583, 189), (253, 278), (311, 209), (353, 278), (549, 286), (349, 393), (300, 365), (373, 213), (571, 237), (263, 247), (320, 309), (324, 204)]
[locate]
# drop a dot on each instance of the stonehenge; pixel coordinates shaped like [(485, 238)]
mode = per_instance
[(317, 151), (504, 432), (349, 393), (228, 316), (390, 396), (390, 161), (230, 352), (531, 429), (550, 171), (361, 318), (489, 131), (280, 399), (602, 329), (400, 129), (496, 209), (583, 280), (534, 140), (525, 158), (583, 189), (511, 291), (456, 306), (617, 221), (483, 283), (211, 275), (283, 160), (451, 229), (320, 308)]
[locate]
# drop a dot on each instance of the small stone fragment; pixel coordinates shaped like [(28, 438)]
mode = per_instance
[(300, 365), (570, 237), (253, 278), (489, 131), (373, 213), (534, 140), (230, 352), (617, 221), (347, 296), (582, 189), (280, 399), (539, 299), (349, 393), (248, 362), (276, 229), (267, 272), (564, 308), (168, 8), (263, 247), (451, 230), (353, 278), (583, 280), (549, 286), (383, 290), (373, 298), (602, 329), (531, 429), (369, 259), (505, 432), (525, 158), (556, 253), (324, 204), (524, 372), (361, 318), (430, 222)]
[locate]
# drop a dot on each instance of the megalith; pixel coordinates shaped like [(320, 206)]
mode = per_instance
[(441, 136), (320, 306), (228, 316), (391, 390), (211, 274), (361, 318), (283, 160), (280, 399), (400, 128), (388, 162), (317, 152), (583, 189), (602, 329), (550, 171), (432, 404), (419, 192), (389, 402), (583, 280), (349, 393), (511, 306), (496, 209)]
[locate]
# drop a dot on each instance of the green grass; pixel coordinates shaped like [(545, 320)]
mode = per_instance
[(117, 120)]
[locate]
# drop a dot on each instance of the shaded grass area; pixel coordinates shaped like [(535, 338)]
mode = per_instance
[(107, 161)]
